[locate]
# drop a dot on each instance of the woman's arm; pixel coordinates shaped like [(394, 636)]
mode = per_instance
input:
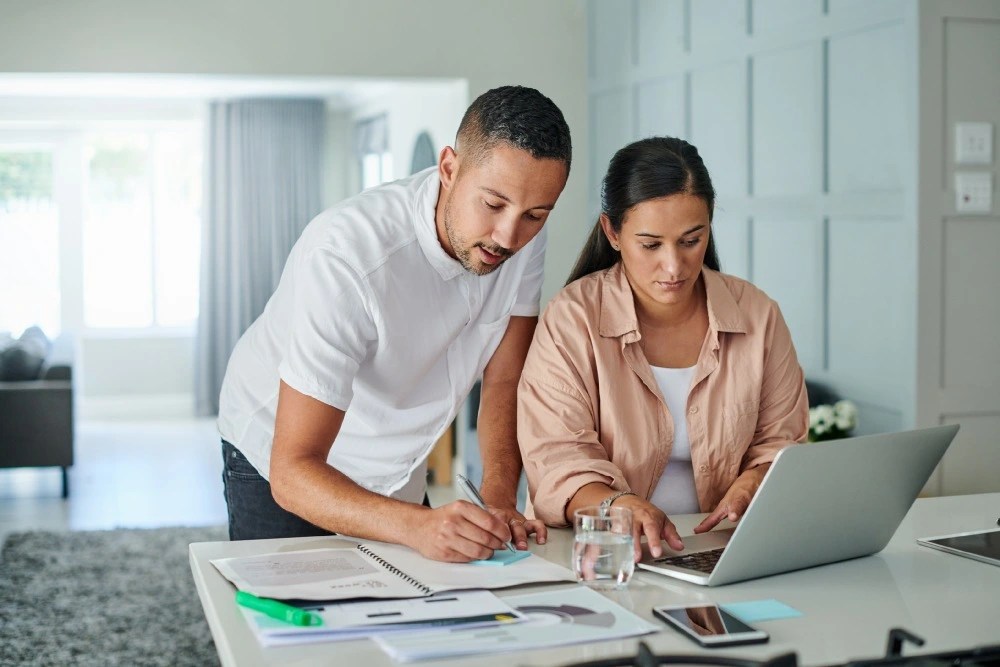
[(782, 420), (557, 420), (567, 465), (783, 415)]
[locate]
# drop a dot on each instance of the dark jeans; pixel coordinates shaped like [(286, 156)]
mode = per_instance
[(253, 512)]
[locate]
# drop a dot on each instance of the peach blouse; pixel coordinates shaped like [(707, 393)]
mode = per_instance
[(589, 409)]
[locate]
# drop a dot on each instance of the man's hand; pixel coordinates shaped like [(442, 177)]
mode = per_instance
[(520, 528), (458, 532), (649, 520), (737, 499)]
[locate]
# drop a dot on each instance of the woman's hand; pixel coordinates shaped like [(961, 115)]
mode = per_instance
[(648, 520), (737, 499), (520, 527)]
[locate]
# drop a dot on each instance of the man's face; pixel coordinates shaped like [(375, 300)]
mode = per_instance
[(489, 209)]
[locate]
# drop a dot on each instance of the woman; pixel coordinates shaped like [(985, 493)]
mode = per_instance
[(654, 382)]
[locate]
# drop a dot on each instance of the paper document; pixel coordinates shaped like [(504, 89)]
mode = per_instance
[(373, 570), (554, 618), (351, 620)]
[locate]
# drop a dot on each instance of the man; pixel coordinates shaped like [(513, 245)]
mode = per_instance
[(390, 306)]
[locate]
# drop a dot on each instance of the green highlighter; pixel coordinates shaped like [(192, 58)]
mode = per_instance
[(278, 610)]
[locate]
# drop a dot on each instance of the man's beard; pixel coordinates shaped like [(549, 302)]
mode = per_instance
[(464, 253)]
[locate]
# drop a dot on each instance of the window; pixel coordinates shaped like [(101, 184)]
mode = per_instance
[(100, 226), (141, 228), (373, 151), (29, 240)]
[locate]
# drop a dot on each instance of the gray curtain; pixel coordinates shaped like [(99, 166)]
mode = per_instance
[(262, 186)]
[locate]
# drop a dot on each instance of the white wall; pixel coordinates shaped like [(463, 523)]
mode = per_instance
[(958, 361), (433, 39), (338, 173), (434, 107), (147, 376)]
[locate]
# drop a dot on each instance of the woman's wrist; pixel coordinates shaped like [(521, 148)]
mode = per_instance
[(607, 502)]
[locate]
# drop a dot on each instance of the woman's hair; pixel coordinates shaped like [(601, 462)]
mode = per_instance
[(643, 170)]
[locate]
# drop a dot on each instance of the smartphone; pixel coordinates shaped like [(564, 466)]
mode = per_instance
[(710, 625)]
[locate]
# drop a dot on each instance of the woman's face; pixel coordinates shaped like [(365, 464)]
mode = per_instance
[(662, 244)]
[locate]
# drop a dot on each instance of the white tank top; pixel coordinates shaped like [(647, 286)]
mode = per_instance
[(675, 493)]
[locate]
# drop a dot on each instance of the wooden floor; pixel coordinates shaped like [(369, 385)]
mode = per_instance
[(129, 474)]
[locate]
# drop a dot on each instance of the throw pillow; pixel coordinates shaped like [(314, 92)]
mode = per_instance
[(22, 360)]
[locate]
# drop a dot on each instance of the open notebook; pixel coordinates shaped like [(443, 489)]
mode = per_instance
[(373, 570)]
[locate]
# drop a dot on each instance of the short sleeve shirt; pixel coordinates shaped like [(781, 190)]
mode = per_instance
[(373, 317)]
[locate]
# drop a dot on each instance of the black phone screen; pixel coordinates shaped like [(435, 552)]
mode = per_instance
[(708, 621)]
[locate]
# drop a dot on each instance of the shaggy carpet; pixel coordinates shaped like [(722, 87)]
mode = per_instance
[(117, 597)]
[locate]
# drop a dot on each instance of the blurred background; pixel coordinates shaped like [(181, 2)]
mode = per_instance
[(157, 161)]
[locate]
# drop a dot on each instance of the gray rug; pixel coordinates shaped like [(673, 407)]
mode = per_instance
[(117, 597)]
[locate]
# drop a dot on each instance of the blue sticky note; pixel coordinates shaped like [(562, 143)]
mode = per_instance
[(502, 557), (761, 610)]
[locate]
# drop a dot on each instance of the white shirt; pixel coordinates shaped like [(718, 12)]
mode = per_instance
[(373, 317), (675, 493)]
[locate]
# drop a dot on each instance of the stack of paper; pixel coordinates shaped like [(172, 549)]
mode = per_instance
[(351, 620), (554, 618)]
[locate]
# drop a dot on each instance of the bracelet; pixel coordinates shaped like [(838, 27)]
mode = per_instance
[(606, 503)]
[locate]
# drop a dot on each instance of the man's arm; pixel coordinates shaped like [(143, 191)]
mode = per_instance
[(498, 429), (303, 483)]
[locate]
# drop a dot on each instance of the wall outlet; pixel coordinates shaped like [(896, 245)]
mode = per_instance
[(973, 143), (973, 191)]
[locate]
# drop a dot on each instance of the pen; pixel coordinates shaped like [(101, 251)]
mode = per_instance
[(477, 500), (278, 610)]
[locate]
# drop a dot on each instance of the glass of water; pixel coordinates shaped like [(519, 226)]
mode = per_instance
[(602, 546)]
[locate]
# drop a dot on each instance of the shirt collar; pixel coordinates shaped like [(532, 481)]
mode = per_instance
[(424, 210), (618, 316)]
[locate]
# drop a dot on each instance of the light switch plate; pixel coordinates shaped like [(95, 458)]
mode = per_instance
[(973, 143), (973, 191)]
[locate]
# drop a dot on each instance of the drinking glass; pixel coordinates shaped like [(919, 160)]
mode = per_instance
[(602, 546)]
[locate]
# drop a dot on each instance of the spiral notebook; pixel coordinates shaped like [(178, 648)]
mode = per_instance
[(373, 570)]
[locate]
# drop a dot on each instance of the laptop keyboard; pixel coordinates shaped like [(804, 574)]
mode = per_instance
[(703, 561)]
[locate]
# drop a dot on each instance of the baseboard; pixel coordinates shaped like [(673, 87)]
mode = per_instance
[(152, 406)]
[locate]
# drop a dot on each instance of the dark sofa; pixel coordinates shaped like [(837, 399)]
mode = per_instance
[(36, 406)]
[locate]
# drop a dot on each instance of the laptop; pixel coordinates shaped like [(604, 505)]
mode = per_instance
[(819, 503)]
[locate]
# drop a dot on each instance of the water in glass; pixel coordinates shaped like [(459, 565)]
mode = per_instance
[(602, 546)]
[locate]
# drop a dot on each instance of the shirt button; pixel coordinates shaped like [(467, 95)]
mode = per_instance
[(703, 468), (693, 410)]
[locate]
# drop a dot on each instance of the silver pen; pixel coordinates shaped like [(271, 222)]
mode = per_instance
[(477, 500)]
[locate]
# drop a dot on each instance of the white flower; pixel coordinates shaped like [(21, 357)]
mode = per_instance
[(821, 419), (846, 415), (825, 415)]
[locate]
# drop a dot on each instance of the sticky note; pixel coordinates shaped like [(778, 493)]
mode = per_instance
[(761, 610), (502, 557)]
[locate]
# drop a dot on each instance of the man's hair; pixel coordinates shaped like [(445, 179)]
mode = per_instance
[(517, 116)]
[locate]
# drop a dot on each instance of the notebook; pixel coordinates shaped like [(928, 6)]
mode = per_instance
[(373, 570), (981, 545), (819, 503)]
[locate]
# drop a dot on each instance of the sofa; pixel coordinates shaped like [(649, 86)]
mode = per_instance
[(36, 405)]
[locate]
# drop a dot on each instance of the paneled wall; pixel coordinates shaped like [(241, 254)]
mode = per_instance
[(803, 111), (958, 360)]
